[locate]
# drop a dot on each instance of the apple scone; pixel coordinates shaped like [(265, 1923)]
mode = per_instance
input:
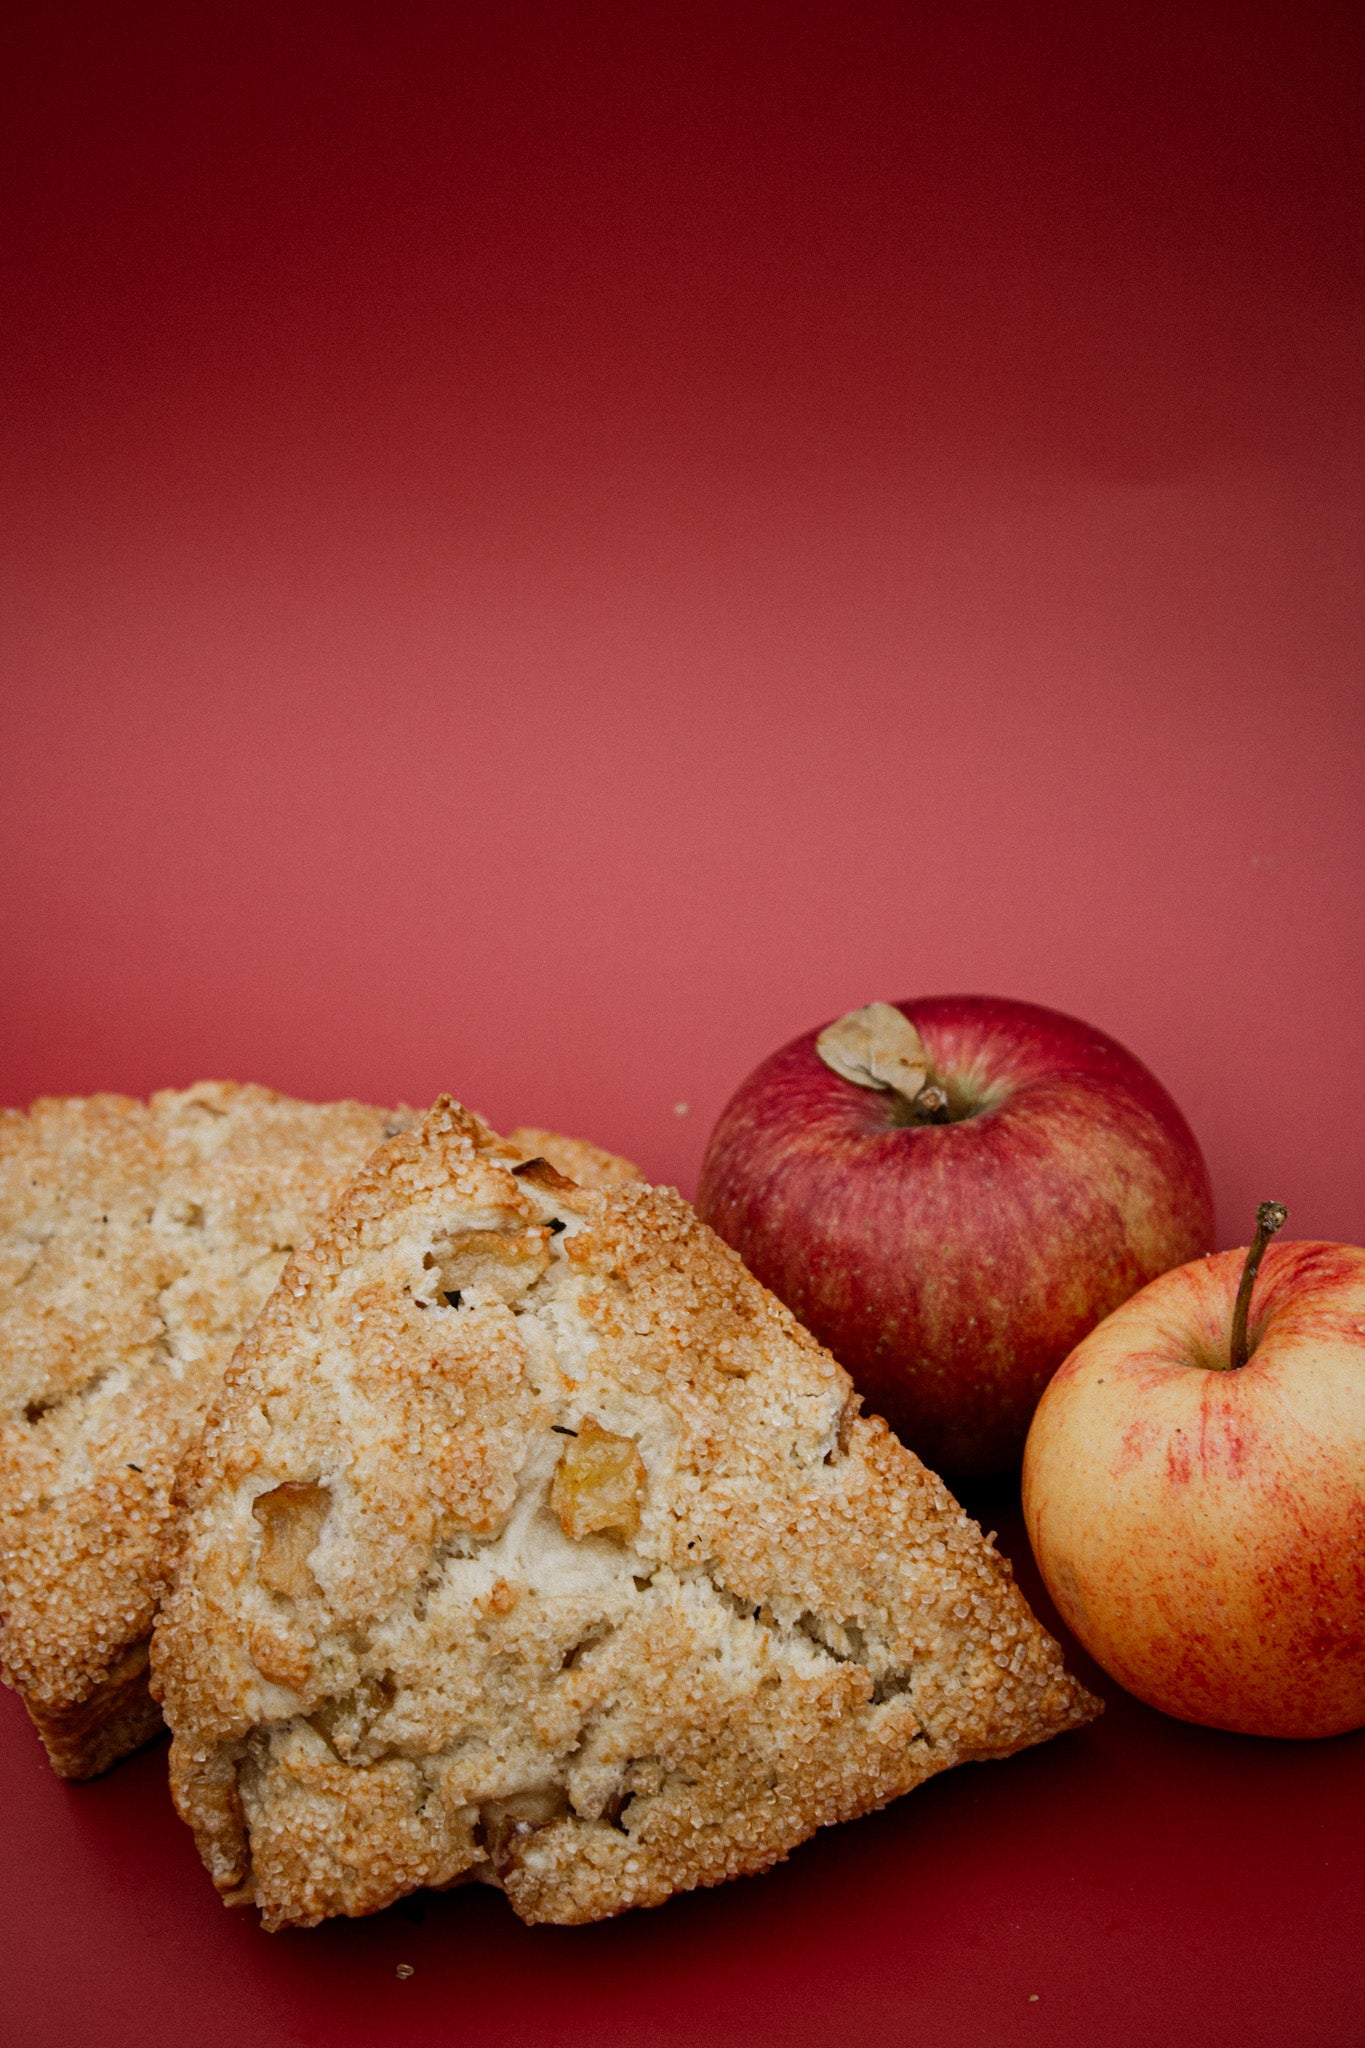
[(531, 1540), (138, 1241)]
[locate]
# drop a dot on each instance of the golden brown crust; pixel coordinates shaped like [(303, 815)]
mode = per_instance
[(116, 1717), (790, 1620)]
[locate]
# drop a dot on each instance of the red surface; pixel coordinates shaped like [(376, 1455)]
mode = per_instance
[(552, 548)]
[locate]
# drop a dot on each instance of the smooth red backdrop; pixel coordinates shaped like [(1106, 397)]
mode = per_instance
[(552, 547)]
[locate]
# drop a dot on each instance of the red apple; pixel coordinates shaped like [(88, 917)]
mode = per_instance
[(954, 1219), (1201, 1526)]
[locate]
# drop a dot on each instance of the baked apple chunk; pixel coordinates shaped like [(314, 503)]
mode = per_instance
[(599, 1483)]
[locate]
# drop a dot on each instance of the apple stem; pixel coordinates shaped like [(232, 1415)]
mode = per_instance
[(931, 1104), (1270, 1217)]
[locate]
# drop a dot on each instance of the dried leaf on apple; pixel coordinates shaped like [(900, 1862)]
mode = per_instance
[(876, 1047)]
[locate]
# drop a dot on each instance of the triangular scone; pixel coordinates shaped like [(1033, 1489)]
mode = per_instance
[(138, 1241), (531, 1539)]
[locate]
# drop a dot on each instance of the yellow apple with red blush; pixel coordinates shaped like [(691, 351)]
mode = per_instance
[(1194, 1489)]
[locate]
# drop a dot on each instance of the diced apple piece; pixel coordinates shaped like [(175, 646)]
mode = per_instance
[(599, 1484), (291, 1518)]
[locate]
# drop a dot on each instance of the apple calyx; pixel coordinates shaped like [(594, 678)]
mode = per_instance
[(1270, 1217), (878, 1047)]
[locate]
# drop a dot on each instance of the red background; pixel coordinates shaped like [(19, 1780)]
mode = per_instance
[(552, 547)]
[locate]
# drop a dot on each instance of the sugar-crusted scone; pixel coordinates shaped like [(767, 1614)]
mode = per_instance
[(138, 1241), (531, 1539)]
